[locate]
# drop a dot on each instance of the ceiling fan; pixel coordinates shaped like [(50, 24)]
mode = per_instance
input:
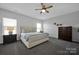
[(44, 8)]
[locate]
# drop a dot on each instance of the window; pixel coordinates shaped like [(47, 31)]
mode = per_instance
[(38, 27), (9, 25)]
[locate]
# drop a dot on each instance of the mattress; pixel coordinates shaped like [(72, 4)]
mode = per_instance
[(34, 36)]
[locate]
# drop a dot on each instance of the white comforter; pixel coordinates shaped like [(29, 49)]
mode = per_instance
[(32, 37)]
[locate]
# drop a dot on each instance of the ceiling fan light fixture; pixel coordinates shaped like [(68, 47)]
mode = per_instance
[(43, 10)]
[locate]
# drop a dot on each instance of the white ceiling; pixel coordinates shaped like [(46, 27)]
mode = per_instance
[(28, 9)]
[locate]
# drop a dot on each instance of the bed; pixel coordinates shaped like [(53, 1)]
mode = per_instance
[(33, 38)]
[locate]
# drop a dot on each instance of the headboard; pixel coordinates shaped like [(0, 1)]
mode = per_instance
[(25, 29)]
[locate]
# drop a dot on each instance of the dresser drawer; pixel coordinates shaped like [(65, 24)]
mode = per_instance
[(9, 38)]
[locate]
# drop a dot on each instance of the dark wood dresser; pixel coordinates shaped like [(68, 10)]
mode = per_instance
[(65, 33), (9, 38)]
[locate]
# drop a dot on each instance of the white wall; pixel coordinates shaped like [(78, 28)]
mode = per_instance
[(51, 29), (22, 20), (75, 33), (71, 19)]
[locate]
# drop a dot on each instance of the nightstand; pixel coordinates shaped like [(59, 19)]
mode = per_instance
[(9, 38)]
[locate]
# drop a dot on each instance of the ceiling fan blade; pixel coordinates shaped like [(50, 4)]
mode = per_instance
[(49, 7), (47, 11), (38, 9), (42, 4), (40, 12)]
